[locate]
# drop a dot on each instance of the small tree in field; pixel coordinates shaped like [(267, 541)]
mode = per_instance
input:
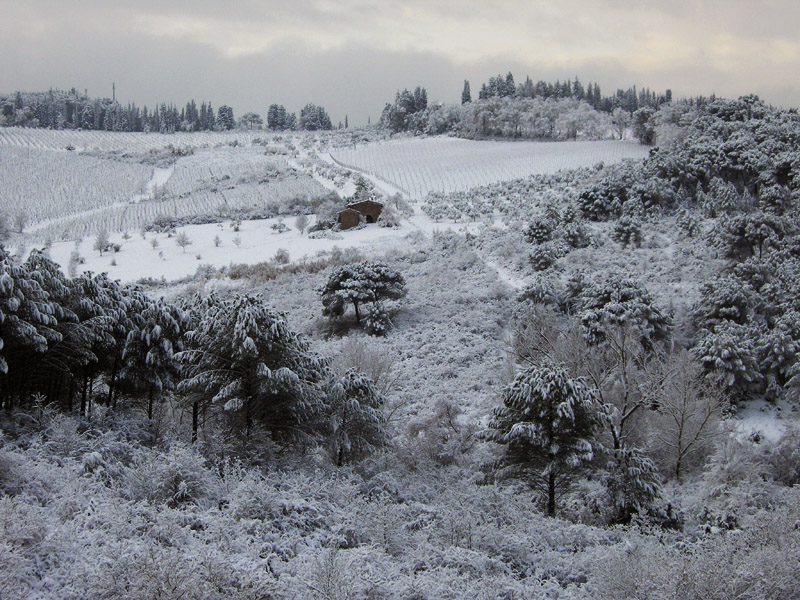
[(101, 243), (183, 240), (301, 222), (20, 221), (361, 283), (548, 423)]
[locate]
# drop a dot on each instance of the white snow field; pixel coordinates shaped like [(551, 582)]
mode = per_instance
[(139, 257), (48, 185), (68, 195), (445, 164), (60, 139)]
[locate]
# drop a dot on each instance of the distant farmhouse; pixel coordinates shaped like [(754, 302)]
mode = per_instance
[(368, 210)]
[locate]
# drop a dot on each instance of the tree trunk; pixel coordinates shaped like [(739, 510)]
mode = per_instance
[(112, 381), (71, 392), (84, 392), (358, 316), (551, 494), (150, 404), (195, 412)]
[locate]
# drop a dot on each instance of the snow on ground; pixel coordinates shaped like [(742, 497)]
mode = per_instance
[(764, 419), (79, 141), (420, 165), (138, 258), (160, 177)]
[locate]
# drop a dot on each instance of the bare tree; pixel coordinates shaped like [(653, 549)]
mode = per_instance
[(20, 221), (301, 222), (621, 121), (688, 407), (183, 240), (366, 358)]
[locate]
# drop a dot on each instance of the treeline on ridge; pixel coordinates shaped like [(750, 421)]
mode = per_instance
[(57, 109)]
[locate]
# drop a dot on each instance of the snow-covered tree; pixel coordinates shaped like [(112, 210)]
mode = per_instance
[(101, 242), (313, 118), (243, 356), (354, 422), (619, 300), (225, 118), (539, 230), (728, 352), (549, 424), (27, 318), (182, 240), (251, 120), (466, 96), (148, 364), (359, 284), (632, 481)]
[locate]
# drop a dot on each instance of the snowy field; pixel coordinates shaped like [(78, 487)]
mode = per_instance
[(45, 184), (444, 164), (49, 139), (157, 255), (67, 196)]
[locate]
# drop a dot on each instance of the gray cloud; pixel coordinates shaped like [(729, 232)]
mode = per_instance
[(351, 55)]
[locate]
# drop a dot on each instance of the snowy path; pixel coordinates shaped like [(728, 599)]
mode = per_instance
[(159, 178), (505, 275), (388, 188)]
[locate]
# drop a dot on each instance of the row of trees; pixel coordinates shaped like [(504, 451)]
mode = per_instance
[(76, 342), (57, 109), (629, 100), (500, 116)]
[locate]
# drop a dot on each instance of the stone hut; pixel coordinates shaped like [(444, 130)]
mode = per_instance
[(348, 218), (369, 210)]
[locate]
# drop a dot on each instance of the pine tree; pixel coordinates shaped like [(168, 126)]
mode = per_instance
[(149, 350), (355, 424), (225, 118), (466, 96), (361, 283), (548, 424), (243, 356)]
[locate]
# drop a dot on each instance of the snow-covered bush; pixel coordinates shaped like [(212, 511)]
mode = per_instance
[(576, 234), (539, 231), (627, 231), (377, 320), (688, 222), (389, 217), (175, 478), (544, 256)]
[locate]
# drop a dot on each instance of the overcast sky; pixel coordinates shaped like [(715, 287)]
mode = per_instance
[(352, 55)]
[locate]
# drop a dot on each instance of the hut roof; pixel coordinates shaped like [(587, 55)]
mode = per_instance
[(365, 204)]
